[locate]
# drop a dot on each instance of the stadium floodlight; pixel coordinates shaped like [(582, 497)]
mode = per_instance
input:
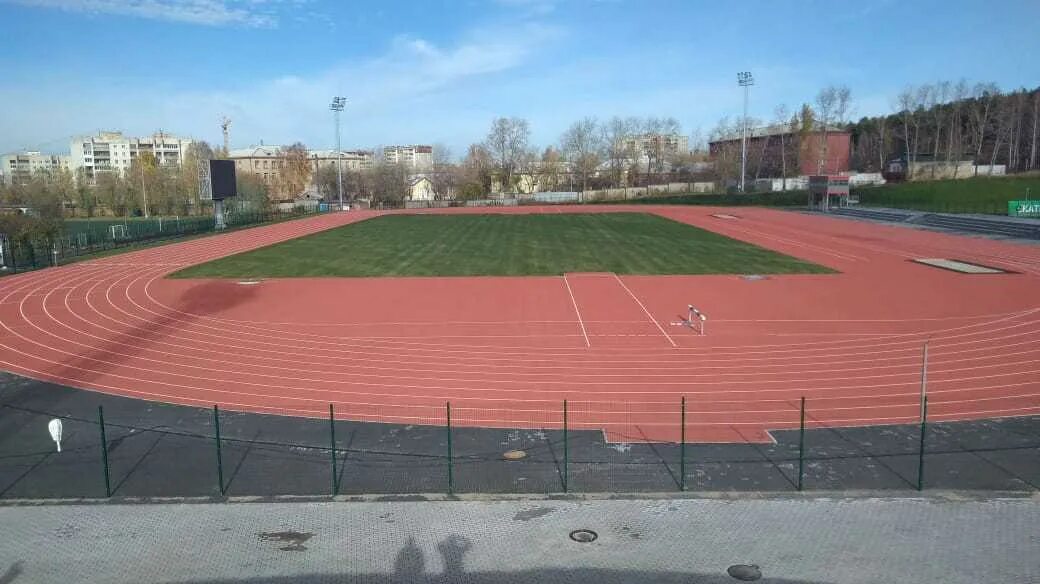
[(745, 80), (337, 105)]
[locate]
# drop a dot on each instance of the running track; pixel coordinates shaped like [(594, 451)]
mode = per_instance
[(507, 351)]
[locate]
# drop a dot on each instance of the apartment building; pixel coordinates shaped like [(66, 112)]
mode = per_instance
[(417, 157), (19, 167), (114, 152), (668, 143)]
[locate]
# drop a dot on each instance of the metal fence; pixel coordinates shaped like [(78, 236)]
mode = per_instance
[(90, 236), (126, 448)]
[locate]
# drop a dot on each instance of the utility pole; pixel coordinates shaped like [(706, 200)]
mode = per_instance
[(745, 80), (337, 107)]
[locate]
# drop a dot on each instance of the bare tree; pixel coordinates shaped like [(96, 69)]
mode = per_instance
[(1034, 162), (618, 149), (295, 170), (782, 118), (980, 115), (506, 143), (832, 108), (583, 142)]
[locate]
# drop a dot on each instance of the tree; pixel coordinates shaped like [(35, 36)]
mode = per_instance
[(832, 107), (389, 182), (905, 104), (658, 148), (618, 148), (141, 181), (188, 177), (782, 118), (477, 173), (583, 143), (253, 193), (506, 143), (294, 171), (550, 168)]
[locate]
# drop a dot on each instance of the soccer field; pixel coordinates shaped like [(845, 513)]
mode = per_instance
[(506, 245)]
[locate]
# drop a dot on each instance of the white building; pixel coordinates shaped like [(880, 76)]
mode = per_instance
[(420, 188), (114, 152), (19, 167), (667, 144), (348, 159), (418, 157)]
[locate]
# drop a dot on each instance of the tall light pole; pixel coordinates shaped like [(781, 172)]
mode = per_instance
[(337, 107), (745, 80)]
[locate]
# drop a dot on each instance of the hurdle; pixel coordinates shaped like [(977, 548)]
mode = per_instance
[(701, 318)]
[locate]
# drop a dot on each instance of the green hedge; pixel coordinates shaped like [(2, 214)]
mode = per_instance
[(973, 195)]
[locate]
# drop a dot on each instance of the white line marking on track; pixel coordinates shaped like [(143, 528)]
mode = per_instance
[(652, 319), (576, 311)]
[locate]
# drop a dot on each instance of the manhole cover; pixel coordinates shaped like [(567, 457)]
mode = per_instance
[(514, 455), (583, 535), (754, 277), (744, 572)]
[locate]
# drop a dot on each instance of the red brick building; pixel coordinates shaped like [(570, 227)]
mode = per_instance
[(805, 153)]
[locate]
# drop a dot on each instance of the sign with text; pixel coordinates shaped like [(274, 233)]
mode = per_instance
[(1024, 209)]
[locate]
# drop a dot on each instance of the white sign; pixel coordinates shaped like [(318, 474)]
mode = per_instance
[(54, 427)]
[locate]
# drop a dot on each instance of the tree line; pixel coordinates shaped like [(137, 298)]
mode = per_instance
[(953, 121)]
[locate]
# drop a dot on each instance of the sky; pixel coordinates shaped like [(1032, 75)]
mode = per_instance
[(439, 71)]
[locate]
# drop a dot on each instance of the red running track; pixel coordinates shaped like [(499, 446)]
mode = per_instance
[(506, 352)]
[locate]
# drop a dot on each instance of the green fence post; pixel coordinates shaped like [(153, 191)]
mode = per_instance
[(566, 453), (451, 477), (920, 451), (801, 446), (220, 462), (332, 441), (104, 451), (682, 444)]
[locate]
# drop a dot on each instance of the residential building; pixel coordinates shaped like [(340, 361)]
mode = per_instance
[(416, 157), (263, 162), (420, 188), (668, 144), (350, 160), (19, 167), (768, 147), (114, 152)]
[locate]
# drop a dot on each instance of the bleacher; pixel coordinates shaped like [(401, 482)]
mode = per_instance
[(1008, 227)]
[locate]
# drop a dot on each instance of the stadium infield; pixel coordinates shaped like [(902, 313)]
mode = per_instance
[(499, 244), (506, 351)]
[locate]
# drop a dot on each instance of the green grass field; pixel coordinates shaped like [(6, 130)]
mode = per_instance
[(505, 245), (971, 195)]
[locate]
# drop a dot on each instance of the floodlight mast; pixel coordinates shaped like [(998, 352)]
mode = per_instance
[(745, 80), (337, 106)]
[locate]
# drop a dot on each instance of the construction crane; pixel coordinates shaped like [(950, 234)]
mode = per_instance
[(225, 125)]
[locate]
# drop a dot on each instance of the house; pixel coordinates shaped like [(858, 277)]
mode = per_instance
[(420, 188)]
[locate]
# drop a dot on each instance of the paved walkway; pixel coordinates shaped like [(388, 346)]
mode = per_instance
[(938, 539)]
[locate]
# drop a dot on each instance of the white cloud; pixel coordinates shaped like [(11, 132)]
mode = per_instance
[(249, 13)]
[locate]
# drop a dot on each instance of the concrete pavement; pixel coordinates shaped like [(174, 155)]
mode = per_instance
[(792, 540)]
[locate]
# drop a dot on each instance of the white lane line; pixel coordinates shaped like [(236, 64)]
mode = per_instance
[(576, 311), (652, 319)]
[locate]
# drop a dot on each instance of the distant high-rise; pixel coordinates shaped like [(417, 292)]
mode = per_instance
[(417, 157), (18, 168), (114, 152)]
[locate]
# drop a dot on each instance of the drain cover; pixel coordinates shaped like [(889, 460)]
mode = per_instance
[(514, 455), (744, 572), (583, 535), (754, 277)]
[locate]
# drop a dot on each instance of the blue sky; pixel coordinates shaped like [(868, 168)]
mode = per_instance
[(438, 71)]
